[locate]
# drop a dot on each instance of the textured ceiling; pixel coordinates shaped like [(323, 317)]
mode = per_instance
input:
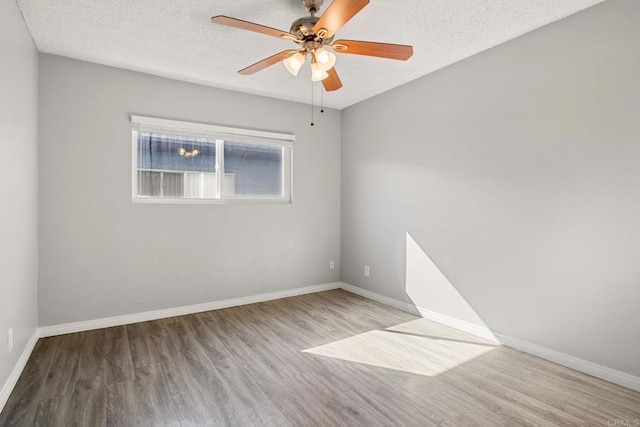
[(176, 39)]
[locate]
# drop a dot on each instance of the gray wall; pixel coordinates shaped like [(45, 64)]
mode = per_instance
[(18, 175), (102, 255), (505, 189)]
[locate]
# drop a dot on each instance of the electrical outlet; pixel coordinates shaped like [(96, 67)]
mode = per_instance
[(10, 339), (367, 271), (332, 265)]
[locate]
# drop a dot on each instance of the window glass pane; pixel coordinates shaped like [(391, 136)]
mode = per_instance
[(172, 184), (149, 183), (253, 170), (176, 166)]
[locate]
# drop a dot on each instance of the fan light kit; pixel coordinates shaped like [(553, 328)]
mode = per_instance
[(184, 153), (314, 37)]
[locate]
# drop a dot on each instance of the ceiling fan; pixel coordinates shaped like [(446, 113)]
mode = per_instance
[(314, 36)]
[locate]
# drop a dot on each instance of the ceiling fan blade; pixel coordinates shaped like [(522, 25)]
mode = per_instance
[(250, 26), (259, 66), (382, 50), (332, 82), (337, 14)]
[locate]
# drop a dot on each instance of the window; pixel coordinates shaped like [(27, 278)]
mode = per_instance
[(178, 162)]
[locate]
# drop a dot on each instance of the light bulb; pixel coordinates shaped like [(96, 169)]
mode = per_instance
[(317, 73), (294, 63), (326, 60)]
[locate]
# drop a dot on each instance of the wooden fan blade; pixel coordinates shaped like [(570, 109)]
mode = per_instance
[(382, 50), (332, 82), (258, 66), (337, 14), (250, 26)]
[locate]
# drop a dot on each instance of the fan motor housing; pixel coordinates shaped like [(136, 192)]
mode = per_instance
[(303, 27)]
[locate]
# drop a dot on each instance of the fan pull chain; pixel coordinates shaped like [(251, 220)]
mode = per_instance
[(322, 101), (312, 103)]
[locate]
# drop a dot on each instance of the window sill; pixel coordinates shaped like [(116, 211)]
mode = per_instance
[(169, 201)]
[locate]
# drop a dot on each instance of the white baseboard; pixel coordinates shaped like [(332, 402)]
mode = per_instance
[(593, 369), (508, 341), (11, 382), (68, 328), (380, 298), (608, 374), (479, 331)]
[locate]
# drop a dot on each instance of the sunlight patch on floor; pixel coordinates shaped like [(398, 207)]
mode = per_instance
[(419, 347)]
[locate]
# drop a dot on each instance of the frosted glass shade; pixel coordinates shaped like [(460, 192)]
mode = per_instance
[(294, 63), (325, 59), (317, 73)]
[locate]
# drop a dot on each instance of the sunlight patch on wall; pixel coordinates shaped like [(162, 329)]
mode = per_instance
[(429, 288), (419, 347)]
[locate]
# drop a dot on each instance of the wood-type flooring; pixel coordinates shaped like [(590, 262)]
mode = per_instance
[(325, 359)]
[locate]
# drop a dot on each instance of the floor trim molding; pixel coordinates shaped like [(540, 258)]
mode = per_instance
[(593, 369), (590, 368), (11, 382), (68, 328), (479, 331), (409, 308), (584, 366)]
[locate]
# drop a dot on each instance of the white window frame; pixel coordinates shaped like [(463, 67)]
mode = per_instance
[(219, 134)]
